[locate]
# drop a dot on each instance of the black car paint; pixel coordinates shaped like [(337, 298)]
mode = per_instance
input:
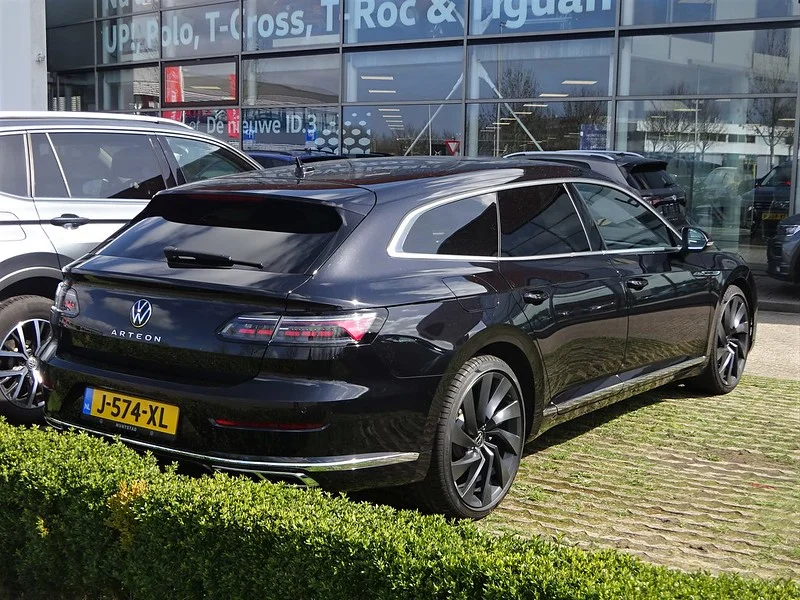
[(381, 396)]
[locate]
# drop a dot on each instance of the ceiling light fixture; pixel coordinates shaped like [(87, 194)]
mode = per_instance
[(382, 91), (553, 95), (578, 82), (389, 110), (536, 105), (378, 77)]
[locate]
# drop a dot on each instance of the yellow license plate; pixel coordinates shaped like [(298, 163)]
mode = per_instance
[(130, 410), (773, 216)]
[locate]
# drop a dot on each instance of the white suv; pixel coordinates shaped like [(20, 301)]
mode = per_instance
[(67, 182)]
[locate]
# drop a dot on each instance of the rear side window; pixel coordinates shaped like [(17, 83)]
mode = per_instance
[(47, 179), (109, 165), (283, 235), (539, 220), (13, 172), (465, 227), (200, 160)]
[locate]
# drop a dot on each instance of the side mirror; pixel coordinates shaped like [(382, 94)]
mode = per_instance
[(694, 239)]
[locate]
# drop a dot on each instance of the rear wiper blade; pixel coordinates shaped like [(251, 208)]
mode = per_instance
[(205, 259)]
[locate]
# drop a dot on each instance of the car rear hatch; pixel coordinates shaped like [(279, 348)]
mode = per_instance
[(153, 300), (656, 186)]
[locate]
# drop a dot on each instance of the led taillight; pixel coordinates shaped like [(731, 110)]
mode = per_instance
[(350, 328), (66, 300), (250, 328)]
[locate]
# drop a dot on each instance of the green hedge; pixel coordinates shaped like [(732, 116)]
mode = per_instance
[(81, 518)]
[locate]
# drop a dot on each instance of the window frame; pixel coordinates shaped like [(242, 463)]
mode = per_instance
[(26, 150), (395, 247)]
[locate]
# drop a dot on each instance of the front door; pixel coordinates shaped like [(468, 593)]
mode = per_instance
[(571, 298), (669, 299)]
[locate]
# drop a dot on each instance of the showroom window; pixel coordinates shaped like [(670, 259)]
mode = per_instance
[(201, 30), (556, 69), (114, 8), (283, 81), (293, 127), (465, 227), (492, 17), (70, 47), (128, 39), (275, 25), (200, 83), (72, 92), (410, 74), (497, 129), (651, 12), (403, 130), (66, 13), (736, 62), (395, 20), (129, 89)]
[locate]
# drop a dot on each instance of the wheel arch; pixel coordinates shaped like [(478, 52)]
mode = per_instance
[(33, 282), (522, 355)]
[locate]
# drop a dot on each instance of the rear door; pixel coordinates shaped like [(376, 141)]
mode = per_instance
[(669, 299), (88, 184), (572, 298)]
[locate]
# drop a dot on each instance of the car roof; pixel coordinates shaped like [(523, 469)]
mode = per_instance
[(390, 178), (25, 119)]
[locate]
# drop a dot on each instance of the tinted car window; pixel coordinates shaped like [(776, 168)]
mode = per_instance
[(47, 179), (291, 235), (623, 221), (651, 178), (780, 175), (539, 220), (201, 160), (109, 165), (465, 227), (13, 173)]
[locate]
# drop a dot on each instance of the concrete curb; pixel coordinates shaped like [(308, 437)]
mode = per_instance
[(778, 306)]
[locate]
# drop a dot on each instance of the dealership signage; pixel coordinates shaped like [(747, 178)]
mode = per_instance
[(221, 25)]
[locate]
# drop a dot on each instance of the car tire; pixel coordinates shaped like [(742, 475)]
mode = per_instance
[(475, 456), (24, 328), (730, 345)]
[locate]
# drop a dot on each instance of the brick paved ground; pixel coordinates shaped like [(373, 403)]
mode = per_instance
[(680, 480)]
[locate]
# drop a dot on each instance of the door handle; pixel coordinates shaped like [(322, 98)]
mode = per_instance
[(535, 297), (69, 221), (637, 283)]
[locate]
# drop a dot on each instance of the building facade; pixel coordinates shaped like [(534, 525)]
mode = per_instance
[(709, 85), (23, 68)]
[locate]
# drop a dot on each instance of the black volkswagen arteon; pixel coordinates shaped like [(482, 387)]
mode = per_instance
[(388, 321)]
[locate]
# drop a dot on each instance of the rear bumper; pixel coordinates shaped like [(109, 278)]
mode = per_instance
[(303, 469), (369, 435)]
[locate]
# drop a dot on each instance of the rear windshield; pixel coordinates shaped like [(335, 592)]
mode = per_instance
[(285, 236), (653, 178)]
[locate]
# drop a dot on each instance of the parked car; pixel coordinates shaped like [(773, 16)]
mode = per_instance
[(717, 198), (647, 176), (783, 250), (768, 202), (388, 321), (67, 182)]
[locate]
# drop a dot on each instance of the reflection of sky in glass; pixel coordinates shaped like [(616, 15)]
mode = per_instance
[(404, 75)]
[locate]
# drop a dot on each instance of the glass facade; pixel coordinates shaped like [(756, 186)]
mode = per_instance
[(708, 86)]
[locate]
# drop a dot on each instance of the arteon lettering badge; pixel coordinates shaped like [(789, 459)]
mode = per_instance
[(141, 311)]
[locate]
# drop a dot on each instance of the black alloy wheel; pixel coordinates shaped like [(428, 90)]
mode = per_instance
[(730, 346), (479, 441)]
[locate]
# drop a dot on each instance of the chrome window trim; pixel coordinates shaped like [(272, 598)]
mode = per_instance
[(54, 115), (394, 249)]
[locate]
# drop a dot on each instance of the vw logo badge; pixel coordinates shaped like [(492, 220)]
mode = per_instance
[(141, 311)]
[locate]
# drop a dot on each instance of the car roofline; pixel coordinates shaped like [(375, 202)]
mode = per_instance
[(55, 115)]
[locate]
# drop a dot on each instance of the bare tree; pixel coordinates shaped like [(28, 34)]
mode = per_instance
[(771, 118), (708, 125)]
